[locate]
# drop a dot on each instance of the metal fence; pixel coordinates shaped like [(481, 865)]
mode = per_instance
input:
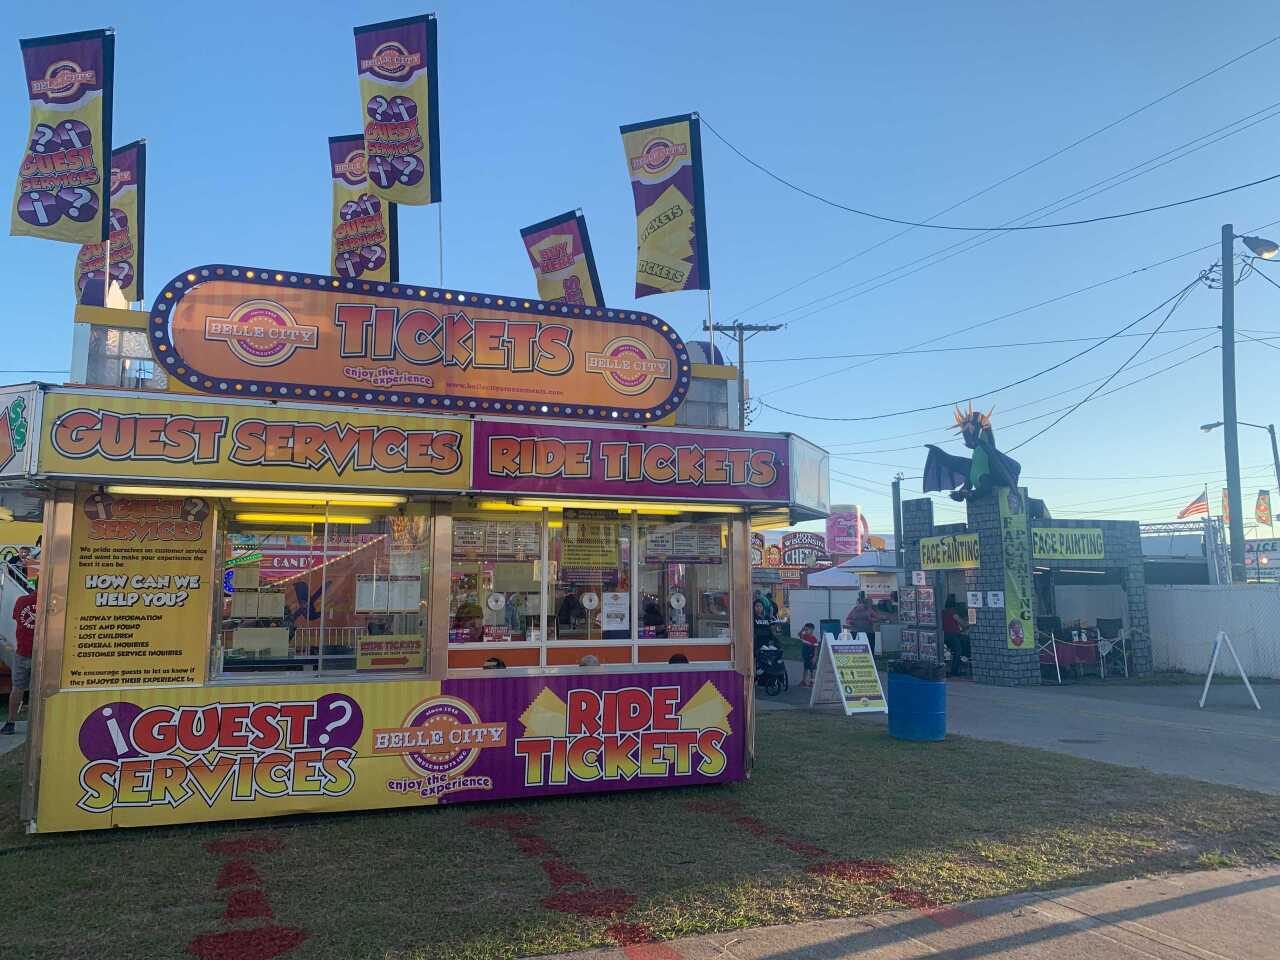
[(1185, 619)]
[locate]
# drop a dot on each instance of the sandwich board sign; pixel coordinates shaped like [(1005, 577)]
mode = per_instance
[(1220, 641), (847, 675)]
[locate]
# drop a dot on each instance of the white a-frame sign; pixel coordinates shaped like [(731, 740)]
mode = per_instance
[(847, 675), (1220, 641)]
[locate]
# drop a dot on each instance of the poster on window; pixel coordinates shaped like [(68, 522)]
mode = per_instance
[(682, 543), (590, 540), (399, 98), (139, 598), (61, 191)]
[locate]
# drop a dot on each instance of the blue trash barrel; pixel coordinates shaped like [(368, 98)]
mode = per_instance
[(917, 708)]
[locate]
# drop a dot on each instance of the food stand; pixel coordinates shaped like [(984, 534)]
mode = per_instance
[(385, 545)]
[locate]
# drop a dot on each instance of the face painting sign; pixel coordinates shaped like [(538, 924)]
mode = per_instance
[(1015, 541), (570, 461), (93, 435), (142, 757), (267, 334), (125, 220), (560, 252), (61, 191), (399, 97), (664, 162), (362, 226)]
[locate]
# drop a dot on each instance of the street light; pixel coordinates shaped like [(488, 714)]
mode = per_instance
[(1270, 428), (1266, 249)]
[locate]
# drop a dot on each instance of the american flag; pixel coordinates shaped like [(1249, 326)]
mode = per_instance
[(1199, 507)]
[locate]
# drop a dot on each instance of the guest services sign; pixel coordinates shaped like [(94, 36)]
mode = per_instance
[(270, 334)]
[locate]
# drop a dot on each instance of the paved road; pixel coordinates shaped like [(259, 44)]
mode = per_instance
[(1157, 728), (1212, 915)]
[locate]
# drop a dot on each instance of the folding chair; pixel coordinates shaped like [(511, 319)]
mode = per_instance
[(1047, 629), (1111, 641)]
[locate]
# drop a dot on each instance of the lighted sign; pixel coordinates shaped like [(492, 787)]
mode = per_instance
[(271, 334)]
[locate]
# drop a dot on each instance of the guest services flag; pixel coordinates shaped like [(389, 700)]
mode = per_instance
[(126, 220), (399, 96), (61, 191), (560, 252), (664, 161), (362, 227)]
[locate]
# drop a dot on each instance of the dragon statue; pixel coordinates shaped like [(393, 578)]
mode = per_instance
[(967, 478)]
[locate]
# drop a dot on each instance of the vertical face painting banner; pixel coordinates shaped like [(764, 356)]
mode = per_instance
[(362, 227), (1015, 541), (61, 191), (399, 97), (560, 252), (139, 600), (121, 257), (664, 161), (183, 755)]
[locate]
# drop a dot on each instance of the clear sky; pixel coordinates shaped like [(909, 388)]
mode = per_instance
[(903, 109)]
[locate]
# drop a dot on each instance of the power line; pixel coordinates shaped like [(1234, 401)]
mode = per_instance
[(1265, 343), (1178, 297), (988, 229), (1172, 309)]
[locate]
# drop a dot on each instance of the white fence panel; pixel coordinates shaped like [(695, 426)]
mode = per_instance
[(813, 606), (1186, 618)]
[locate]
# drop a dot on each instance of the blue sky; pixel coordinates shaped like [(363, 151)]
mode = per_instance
[(901, 109)]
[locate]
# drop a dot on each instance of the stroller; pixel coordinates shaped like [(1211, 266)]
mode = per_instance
[(771, 671)]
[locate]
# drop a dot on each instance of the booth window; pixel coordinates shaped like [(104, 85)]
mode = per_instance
[(329, 590), (122, 358), (555, 588)]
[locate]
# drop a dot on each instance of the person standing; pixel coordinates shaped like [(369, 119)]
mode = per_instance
[(761, 624), (809, 650), (863, 619), (24, 620)]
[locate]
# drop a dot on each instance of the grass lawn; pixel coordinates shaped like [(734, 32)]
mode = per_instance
[(839, 820)]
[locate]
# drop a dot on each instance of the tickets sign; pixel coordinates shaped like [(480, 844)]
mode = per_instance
[(269, 334), (120, 259), (362, 226), (664, 162), (560, 251), (569, 461), (61, 191), (109, 435), (141, 757), (399, 101)]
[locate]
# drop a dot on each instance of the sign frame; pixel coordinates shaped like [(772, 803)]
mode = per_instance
[(827, 686)]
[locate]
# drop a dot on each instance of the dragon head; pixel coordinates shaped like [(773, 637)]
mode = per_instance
[(973, 424)]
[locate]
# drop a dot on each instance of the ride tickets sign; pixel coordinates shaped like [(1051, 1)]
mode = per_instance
[(148, 756), (112, 435), (269, 334), (568, 461)]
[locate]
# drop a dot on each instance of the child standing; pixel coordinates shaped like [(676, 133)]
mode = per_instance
[(809, 650)]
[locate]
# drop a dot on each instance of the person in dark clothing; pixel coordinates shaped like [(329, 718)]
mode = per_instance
[(955, 637), (761, 625)]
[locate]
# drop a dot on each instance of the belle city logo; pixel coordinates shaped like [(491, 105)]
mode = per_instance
[(440, 740), (63, 80), (392, 61), (629, 366), (658, 154), (261, 333)]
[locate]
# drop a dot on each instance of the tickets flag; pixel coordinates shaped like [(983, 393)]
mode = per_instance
[(126, 221), (664, 161), (60, 192), (560, 252), (363, 227), (399, 97), (1262, 509)]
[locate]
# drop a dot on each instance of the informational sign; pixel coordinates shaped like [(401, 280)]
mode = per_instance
[(364, 240), (276, 334), (17, 410), (1015, 541), (956, 551), (400, 105), (139, 591), (974, 598), (919, 578), (682, 543), (388, 593), (1067, 543), (116, 435), (569, 461), (499, 540), (134, 757), (62, 193), (589, 539), (995, 599), (847, 675), (615, 613), (664, 162), (126, 221), (560, 251), (802, 548), (391, 651)]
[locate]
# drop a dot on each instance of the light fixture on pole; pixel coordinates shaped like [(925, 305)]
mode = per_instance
[(1271, 431), (1261, 247)]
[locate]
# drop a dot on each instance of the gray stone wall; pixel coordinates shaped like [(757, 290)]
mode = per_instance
[(993, 661), (917, 523)]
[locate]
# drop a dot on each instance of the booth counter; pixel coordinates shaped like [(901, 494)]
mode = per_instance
[(254, 607)]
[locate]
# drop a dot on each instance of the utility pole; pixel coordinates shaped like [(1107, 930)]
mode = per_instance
[(739, 330), (897, 521), (1231, 440)]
